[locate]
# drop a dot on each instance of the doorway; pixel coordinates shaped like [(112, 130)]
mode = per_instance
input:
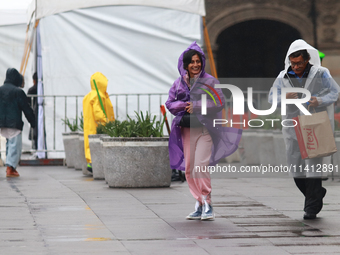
[(254, 48)]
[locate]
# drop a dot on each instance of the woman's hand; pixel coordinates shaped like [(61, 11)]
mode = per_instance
[(189, 108)]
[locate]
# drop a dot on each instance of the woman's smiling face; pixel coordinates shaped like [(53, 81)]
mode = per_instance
[(195, 66)]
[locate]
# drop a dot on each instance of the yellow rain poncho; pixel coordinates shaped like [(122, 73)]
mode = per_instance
[(92, 110)]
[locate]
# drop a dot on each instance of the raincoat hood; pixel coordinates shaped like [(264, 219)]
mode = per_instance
[(101, 82), (193, 46), (302, 45), (13, 77)]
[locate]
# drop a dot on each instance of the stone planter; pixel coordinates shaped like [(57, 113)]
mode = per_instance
[(97, 156), (81, 156), (105, 166), (80, 161), (279, 148), (266, 147), (70, 141), (250, 141), (136, 162), (79, 152), (236, 156)]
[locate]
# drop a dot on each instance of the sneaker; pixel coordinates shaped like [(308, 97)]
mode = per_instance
[(196, 215), (207, 212), (11, 172), (89, 167)]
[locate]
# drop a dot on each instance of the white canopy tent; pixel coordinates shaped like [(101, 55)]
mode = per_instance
[(13, 19), (135, 43), (50, 7), (14, 12)]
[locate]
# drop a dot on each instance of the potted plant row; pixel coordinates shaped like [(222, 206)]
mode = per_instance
[(132, 153), (74, 144)]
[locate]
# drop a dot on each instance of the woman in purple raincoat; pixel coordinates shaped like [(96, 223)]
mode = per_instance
[(201, 145)]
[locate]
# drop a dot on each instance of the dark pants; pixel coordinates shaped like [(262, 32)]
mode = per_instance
[(313, 191)]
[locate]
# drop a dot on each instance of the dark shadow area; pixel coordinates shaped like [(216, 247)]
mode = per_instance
[(255, 48)]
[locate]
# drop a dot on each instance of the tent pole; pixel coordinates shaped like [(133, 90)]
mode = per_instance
[(30, 46), (211, 60), (210, 54), (25, 50)]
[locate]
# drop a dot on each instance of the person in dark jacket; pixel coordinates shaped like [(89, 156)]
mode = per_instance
[(33, 91), (13, 101)]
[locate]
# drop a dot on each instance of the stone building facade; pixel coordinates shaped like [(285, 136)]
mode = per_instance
[(271, 25)]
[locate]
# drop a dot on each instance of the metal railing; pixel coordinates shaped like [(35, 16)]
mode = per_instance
[(62, 107), (59, 107)]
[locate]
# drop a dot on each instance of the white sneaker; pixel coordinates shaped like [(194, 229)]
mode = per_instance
[(207, 211), (196, 215)]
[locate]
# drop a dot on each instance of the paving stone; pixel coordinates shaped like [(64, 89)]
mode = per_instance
[(56, 210)]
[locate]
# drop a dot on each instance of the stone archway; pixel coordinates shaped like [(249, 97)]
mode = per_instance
[(249, 12), (254, 48)]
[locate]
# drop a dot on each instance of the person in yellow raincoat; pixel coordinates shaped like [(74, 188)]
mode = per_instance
[(93, 112)]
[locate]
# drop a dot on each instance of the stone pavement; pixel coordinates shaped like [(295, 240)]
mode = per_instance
[(57, 210)]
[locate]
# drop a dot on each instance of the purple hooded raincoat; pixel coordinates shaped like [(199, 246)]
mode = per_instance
[(225, 139)]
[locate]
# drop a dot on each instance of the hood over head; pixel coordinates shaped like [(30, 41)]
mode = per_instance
[(101, 82), (13, 77), (193, 46), (302, 45)]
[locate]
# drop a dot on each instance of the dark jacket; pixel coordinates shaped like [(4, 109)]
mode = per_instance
[(13, 101), (32, 91)]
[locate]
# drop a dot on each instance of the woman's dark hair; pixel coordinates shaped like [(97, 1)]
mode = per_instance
[(304, 53), (187, 57)]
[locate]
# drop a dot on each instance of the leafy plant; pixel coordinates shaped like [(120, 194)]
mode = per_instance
[(147, 127), (116, 128), (73, 126), (81, 122), (101, 129), (143, 126)]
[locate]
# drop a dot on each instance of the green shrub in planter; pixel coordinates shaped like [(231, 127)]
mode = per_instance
[(136, 155), (74, 125), (143, 126)]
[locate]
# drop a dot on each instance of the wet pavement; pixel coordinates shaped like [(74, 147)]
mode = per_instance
[(57, 210)]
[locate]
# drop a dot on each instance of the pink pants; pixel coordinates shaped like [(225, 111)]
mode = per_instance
[(197, 146)]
